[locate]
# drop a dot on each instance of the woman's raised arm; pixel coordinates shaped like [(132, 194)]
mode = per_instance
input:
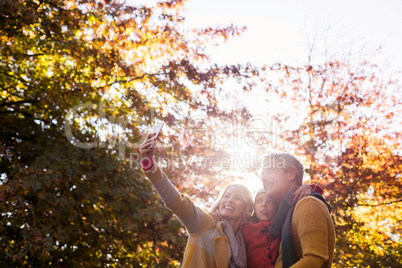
[(192, 217)]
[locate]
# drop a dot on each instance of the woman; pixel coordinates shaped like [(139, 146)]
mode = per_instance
[(210, 244)]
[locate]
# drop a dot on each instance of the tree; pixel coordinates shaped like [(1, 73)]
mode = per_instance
[(80, 83), (343, 119)]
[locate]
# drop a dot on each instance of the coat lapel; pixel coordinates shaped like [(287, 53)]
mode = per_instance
[(222, 249)]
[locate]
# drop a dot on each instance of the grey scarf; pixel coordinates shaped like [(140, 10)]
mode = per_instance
[(238, 257)]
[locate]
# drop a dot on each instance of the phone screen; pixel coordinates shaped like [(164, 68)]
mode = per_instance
[(158, 128)]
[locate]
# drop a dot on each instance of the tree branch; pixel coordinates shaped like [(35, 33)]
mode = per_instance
[(128, 80), (10, 103), (380, 204)]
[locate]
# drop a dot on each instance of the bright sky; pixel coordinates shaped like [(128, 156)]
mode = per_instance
[(279, 30)]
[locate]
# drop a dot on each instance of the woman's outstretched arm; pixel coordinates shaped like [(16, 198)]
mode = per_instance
[(191, 216)]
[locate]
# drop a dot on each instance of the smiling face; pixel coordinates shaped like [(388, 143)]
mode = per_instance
[(232, 205), (277, 182), (265, 208)]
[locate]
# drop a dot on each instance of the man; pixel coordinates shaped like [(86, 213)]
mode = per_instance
[(306, 228)]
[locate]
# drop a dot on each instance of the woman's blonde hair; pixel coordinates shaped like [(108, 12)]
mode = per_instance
[(245, 194)]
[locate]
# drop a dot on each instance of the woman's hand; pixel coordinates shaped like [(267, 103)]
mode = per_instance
[(147, 147), (302, 191)]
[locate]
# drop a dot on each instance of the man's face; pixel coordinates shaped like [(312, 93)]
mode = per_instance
[(276, 183)]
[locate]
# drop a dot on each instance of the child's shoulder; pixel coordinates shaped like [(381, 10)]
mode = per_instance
[(255, 226)]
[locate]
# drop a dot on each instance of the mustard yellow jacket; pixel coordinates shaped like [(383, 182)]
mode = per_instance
[(313, 234), (207, 245)]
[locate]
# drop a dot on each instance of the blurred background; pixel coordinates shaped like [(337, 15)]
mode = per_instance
[(82, 82)]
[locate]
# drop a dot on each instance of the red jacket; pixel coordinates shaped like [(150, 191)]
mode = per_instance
[(316, 188), (262, 250)]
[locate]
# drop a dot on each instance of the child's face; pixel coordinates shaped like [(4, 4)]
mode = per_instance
[(264, 207)]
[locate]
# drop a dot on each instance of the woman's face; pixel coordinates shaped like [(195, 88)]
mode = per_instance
[(265, 208), (232, 205)]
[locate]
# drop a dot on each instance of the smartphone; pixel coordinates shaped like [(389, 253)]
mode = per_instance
[(157, 129)]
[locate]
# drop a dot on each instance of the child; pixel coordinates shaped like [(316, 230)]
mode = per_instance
[(262, 250)]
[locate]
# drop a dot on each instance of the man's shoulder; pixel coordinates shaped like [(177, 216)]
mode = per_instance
[(310, 204)]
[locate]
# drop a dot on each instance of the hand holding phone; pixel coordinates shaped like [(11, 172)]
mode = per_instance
[(157, 129), (148, 146)]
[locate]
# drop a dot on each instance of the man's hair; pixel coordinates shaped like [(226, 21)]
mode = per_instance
[(285, 161)]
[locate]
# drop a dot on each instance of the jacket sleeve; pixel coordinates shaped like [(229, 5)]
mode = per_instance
[(311, 218), (316, 188), (191, 216)]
